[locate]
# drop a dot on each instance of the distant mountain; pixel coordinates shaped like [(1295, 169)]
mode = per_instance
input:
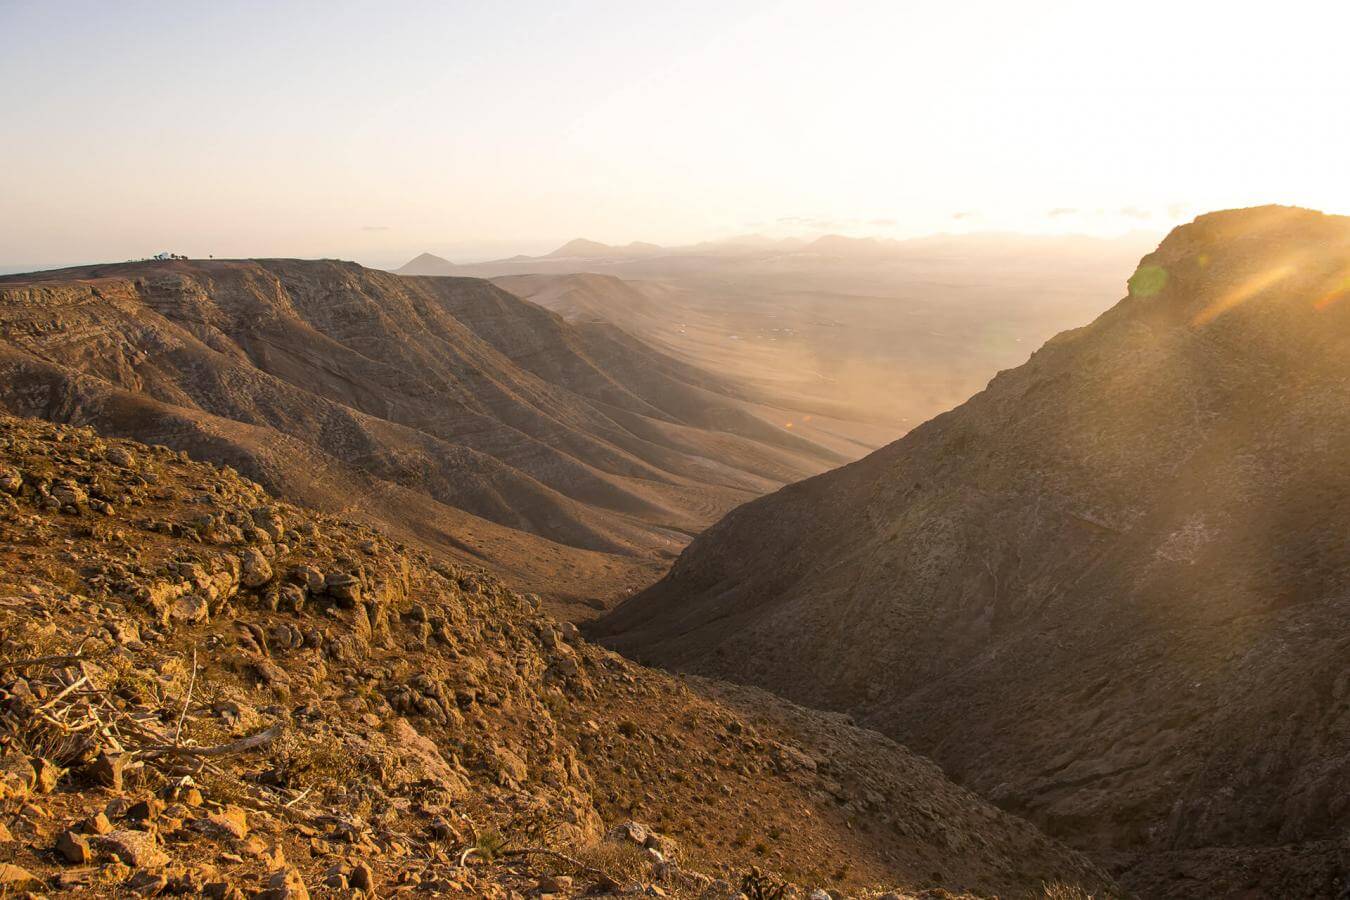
[(577, 250), (587, 298), (596, 298), (427, 264), (754, 251), (571, 458), (852, 343), (642, 259), (581, 248), (584, 249), (744, 242), (1111, 591), (839, 245)]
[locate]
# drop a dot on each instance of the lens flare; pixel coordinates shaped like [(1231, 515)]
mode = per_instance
[(1243, 292), (1335, 294), (1147, 280)]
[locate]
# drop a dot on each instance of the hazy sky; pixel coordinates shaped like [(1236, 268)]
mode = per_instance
[(376, 130)]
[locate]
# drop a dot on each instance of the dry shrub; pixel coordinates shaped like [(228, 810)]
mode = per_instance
[(37, 739), (32, 640), (622, 861), (489, 844), (132, 683), (1059, 890), (318, 760), (756, 885)]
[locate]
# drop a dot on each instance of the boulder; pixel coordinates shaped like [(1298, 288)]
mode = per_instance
[(15, 878), (74, 848), (10, 481), (255, 570), (106, 769), (362, 878), (68, 493), (268, 520), (137, 849), (230, 821), (285, 884), (310, 577), (120, 456), (98, 823), (344, 588)]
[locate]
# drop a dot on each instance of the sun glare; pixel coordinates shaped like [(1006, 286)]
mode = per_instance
[(1244, 291)]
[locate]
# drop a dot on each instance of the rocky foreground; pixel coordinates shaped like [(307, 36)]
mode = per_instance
[(204, 691)]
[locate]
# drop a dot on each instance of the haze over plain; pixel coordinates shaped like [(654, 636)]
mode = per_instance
[(442, 444)]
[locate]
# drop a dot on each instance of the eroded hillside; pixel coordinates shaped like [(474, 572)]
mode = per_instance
[(1109, 592), (569, 458), (205, 690)]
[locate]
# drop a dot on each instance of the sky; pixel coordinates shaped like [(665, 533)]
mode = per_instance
[(374, 131)]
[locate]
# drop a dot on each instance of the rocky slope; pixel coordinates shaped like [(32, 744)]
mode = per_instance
[(593, 298), (205, 691), (780, 382), (1109, 591), (569, 457)]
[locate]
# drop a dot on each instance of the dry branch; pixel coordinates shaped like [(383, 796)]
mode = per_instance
[(261, 739), (576, 864), (64, 659), (187, 701)]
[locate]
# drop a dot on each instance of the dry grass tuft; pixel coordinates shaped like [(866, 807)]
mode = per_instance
[(623, 862), (305, 761), (1059, 890)]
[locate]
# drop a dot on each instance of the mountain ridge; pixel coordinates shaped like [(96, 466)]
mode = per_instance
[(1062, 589), (444, 396), (564, 259)]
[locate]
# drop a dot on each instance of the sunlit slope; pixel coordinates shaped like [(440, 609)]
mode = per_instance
[(1110, 590), (445, 406)]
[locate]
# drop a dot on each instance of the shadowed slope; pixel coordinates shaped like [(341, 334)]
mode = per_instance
[(1110, 590)]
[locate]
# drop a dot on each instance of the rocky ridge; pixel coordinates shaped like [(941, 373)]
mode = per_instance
[(567, 457)]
